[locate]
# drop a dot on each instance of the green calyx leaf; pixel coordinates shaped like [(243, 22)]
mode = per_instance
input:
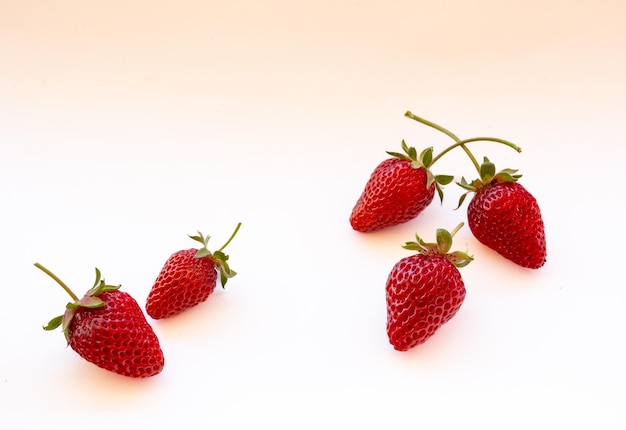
[(54, 323), (444, 240), (219, 258), (439, 180), (487, 171), (409, 154), (98, 287), (421, 246), (460, 259), (506, 175), (225, 271), (424, 160), (202, 252), (426, 157), (87, 302), (441, 247), (461, 200), (204, 240), (444, 179), (469, 187), (221, 262)]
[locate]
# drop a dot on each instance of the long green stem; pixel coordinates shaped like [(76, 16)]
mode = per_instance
[(456, 229), (231, 237), (424, 121), (61, 283), (492, 139), (462, 143)]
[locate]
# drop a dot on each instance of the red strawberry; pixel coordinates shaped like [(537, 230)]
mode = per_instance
[(107, 328), (188, 278), (505, 217), (424, 290), (398, 190)]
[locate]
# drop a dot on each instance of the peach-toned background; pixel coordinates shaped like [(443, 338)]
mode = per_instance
[(126, 125)]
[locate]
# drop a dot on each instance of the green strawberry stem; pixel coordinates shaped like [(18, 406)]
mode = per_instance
[(59, 281), (232, 236), (456, 229), (460, 142), (424, 121)]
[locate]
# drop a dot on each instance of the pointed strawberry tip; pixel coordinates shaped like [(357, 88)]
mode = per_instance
[(521, 239)]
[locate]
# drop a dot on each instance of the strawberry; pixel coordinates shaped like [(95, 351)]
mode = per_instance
[(505, 217), (188, 278), (107, 328), (424, 290), (398, 190)]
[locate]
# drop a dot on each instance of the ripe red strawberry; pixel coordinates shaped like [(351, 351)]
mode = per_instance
[(424, 290), (505, 217), (188, 278), (398, 190), (107, 328)]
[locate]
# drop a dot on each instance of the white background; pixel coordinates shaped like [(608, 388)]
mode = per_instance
[(126, 125)]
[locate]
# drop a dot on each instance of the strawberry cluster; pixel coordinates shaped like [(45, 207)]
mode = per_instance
[(425, 290), (108, 328)]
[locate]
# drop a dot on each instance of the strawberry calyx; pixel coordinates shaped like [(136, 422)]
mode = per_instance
[(90, 300), (219, 258), (424, 160), (488, 177), (441, 246)]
